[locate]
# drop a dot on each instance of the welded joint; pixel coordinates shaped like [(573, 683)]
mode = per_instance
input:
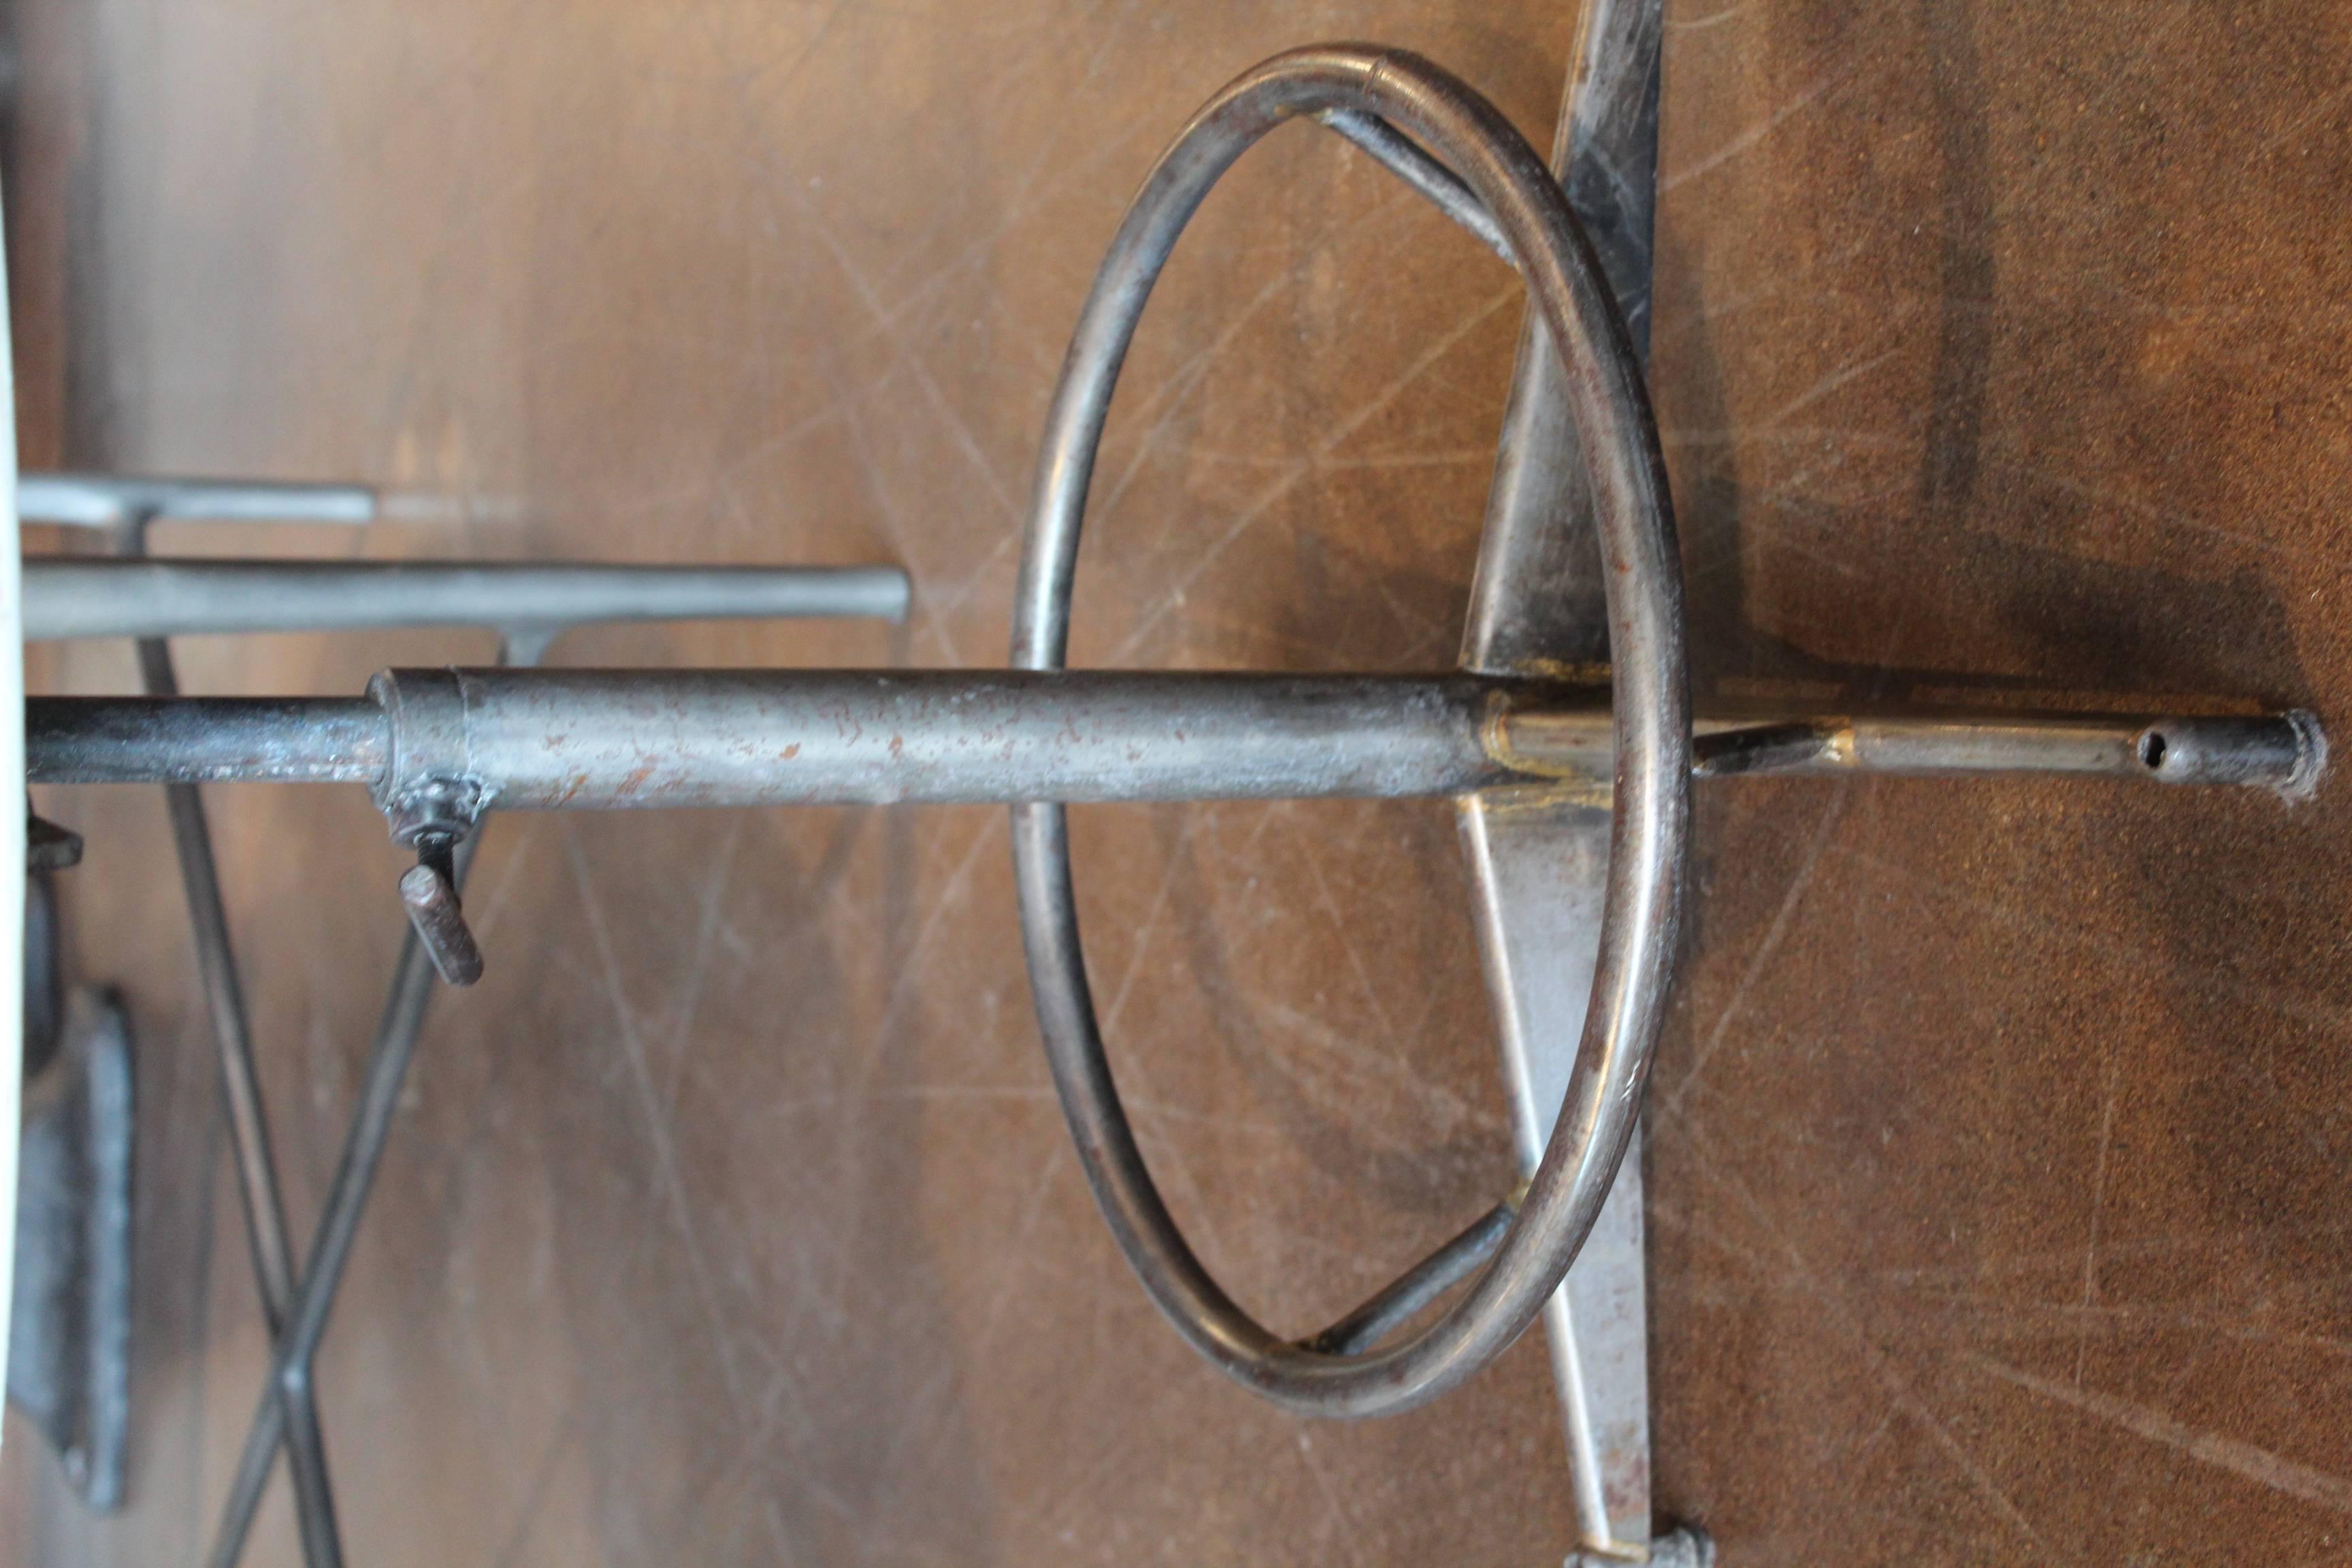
[(1768, 748), (1683, 1548), (1552, 777), (2311, 763), (427, 789), (433, 801)]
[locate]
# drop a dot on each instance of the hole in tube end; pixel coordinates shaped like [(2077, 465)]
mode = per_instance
[(2151, 750)]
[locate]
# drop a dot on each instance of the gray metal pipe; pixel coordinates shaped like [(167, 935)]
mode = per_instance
[(147, 599), (204, 740), (591, 739), (863, 737), (2281, 752), (101, 500)]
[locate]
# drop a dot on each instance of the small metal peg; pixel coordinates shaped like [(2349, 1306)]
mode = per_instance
[(429, 890)]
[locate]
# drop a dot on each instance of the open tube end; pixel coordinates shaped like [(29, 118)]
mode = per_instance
[(2311, 756), (2285, 752)]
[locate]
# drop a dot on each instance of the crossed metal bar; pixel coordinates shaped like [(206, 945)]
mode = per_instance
[(151, 601)]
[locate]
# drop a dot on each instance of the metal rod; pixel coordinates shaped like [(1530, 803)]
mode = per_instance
[(306, 1459), (98, 598), (294, 1367), (293, 1370), (434, 909), (1404, 158), (105, 500), (257, 1169), (863, 737), (225, 1002), (586, 739), (205, 740), (1424, 1282), (2281, 752)]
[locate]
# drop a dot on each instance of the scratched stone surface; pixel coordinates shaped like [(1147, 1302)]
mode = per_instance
[(1998, 1138)]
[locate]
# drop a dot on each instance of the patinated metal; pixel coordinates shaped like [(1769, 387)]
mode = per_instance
[(150, 600), (444, 745), (1566, 737)]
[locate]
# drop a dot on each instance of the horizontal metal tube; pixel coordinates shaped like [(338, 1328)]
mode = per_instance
[(146, 598), (604, 739), (599, 739), (204, 740), (100, 501), (2282, 752)]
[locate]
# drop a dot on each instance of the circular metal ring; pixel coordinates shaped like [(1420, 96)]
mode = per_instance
[(1642, 900)]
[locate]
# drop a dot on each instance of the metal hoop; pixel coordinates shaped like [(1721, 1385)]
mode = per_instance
[(1643, 893)]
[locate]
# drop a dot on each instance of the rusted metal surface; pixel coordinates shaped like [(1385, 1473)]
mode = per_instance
[(433, 909)]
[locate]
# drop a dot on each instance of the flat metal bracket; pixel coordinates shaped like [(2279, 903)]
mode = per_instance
[(1538, 866), (69, 1329)]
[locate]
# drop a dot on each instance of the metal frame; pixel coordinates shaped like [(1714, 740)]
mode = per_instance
[(1572, 796), (69, 1340), (1476, 148), (152, 600)]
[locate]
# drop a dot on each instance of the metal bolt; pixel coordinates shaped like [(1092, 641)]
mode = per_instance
[(430, 895)]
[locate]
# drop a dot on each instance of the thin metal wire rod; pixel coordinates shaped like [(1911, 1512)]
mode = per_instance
[(1404, 1297), (297, 1348), (1404, 158), (257, 1171), (110, 501), (257, 1167), (294, 1421), (231, 1033), (77, 597)]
